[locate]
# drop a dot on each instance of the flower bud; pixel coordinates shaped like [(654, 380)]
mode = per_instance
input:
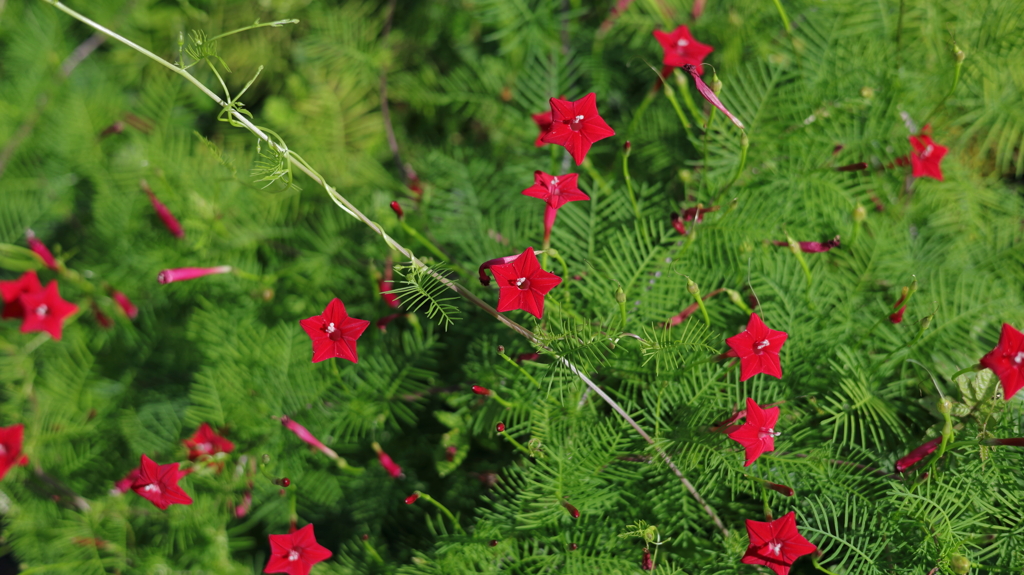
[(927, 321), (960, 564), (40, 249), (716, 84), (620, 296), (627, 147), (500, 427), (913, 287), (686, 176), (859, 214), (572, 510), (692, 287), (744, 141), (126, 304), (646, 563), (412, 498), (183, 274), (918, 454), (1014, 441), (897, 317), (867, 92), (170, 222), (481, 390), (733, 204), (397, 209), (959, 60), (945, 404), (493, 543), (573, 547), (501, 350)]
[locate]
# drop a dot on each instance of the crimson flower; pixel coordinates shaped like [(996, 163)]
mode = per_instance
[(556, 191), (183, 274), (576, 126), (757, 434), (334, 333), (906, 462), (523, 284), (40, 249), (305, 435), (126, 483), (126, 304), (681, 49), (926, 157), (295, 553), (12, 290), (10, 448), (159, 484), (543, 122), (776, 544), (758, 349), (206, 442), (45, 311), (897, 316), (1007, 360)]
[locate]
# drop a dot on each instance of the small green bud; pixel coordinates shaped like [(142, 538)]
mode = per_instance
[(266, 458), (620, 296), (686, 176), (692, 287), (859, 214), (945, 405), (927, 321), (626, 148), (913, 287), (959, 59), (960, 564), (733, 204), (716, 84), (744, 141), (794, 246), (181, 39), (867, 92), (501, 350)]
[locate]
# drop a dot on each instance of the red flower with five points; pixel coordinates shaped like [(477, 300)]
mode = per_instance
[(12, 290), (45, 311), (295, 553), (556, 191), (576, 126), (159, 484), (926, 157), (206, 442), (1007, 360), (776, 544), (543, 122), (10, 448), (757, 434), (681, 49), (758, 349), (523, 284), (334, 333)]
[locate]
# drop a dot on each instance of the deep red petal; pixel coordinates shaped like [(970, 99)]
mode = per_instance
[(313, 326), (560, 110), (770, 364)]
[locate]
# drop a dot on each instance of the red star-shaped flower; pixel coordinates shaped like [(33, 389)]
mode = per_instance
[(681, 49), (555, 190), (45, 311), (757, 434), (543, 122), (10, 448), (206, 442), (576, 126), (295, 553), (159, 484), (523, 284), (334, 333), (1007, 360), (12, 290), (776, 544), (926, 157), (758, 349)]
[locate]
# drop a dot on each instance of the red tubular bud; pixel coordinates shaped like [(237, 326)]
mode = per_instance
[(182, 274), (918, 454), (853, 167), (481, 390), (646, 563), (627, 147), (500, 427), (678, 224), (165, 214), (412, 498), (572, 510), (897, 317), (783, 489), (365, 537), (40, 249), (285, 482), (115, 128), (493, 543), (1015, 441), (126, 304), (104, 321), (573, 547), (397, 209)]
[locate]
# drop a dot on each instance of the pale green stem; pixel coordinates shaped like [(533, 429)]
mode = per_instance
[(785, 18), (671, 95), (629, 184), (956, 80), (443, 509), (276, 24), (521, 370), (516, 444), (818, 566)]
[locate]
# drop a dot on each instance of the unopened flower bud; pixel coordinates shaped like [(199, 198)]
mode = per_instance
[(500, 427), (945, 404), (716, 84), (744, 141), (493, 543), (867, 92), (365, 537), (412, 498), (266, 458), (182, 274), (960, 564), (397, 209), (501, 350), (1015, 441), (481, 390), (620, 296), (897, 317), (573, 547), (927, 321), (912, 288), (283, 482), (859, 214), (686, 176), (627, 147), (692, 287), (40, 249), (572, 510), (733, 204), (959, 59)]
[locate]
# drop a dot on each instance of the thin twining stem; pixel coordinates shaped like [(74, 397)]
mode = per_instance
[(344, 204)]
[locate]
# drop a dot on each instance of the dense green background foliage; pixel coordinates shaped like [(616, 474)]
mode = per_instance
[(463, 78)]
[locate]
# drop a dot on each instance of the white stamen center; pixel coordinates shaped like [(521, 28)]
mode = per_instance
[(578, 118), (3, 450), (293, 555), (520, 281), (1019, 358), (682, 43), (331, 328), (761, 345), (554, 184), (775, 548), (152, 488), (927, 151), (767, 432), (205, 447), (41, 310)]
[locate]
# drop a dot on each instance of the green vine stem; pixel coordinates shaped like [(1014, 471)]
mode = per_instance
[(516, 444), (959, 54), (513, 363), (443, 509), (239, 119), (629, 181)]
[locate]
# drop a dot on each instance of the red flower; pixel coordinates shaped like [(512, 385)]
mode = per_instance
[(126, 304), (182, 274), (126, 483), (45, 311), (757, 434), (916, 455), (758, 349), (40, 249), (159, 484), (897, 316), (295, 553), (709, 94), (681, 49), (926, 157), (305, 435), (543, 122), (12, 290), (393, 469), (10, 448), (1007, 360), (776, 544), (576, 126), (334, 333), (523, 284), (556, 191), (206, 442)]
